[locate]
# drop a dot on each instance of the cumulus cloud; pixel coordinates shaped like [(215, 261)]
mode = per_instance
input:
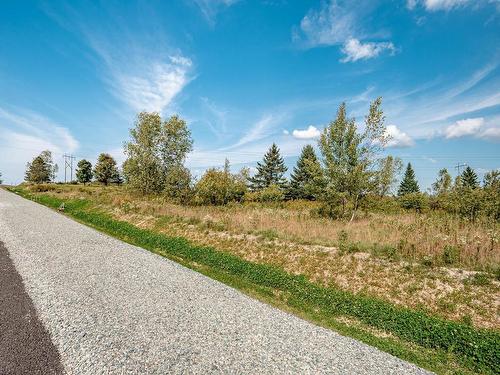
[(309, 133), (462, 128), (491, 134), (398, 138), (356, 50)]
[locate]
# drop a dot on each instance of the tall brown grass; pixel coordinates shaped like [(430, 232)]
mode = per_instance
[(433, 237)]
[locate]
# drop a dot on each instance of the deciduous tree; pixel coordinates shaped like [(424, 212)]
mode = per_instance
[(443, 184), (492, 179), (41, 169), (105, 170), (84, 171), (348, 158), (156, 153), (387, 175)]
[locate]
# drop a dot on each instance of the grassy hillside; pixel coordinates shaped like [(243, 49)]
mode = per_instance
[(409, 284)]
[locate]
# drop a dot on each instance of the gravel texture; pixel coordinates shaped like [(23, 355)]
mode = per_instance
[(25, 345), (113, 308)]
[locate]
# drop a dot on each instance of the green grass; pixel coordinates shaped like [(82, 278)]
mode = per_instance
[(433, 343)]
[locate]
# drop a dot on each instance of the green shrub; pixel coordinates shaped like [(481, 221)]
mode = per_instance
[(219, 187), (451, 254), (270, 194), (343, 241), (414, 201), (41, 188), (479, 279), (386, 251)]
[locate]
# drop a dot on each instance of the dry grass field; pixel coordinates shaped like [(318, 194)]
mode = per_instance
[(432, 262)]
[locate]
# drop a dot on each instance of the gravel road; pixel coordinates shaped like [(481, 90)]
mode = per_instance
[(113, 308)]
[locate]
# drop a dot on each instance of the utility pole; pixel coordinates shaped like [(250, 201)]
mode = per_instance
[(458, 166), (68, 163)]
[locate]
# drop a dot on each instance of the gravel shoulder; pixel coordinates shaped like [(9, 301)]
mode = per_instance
[(25, 344), (111, 307)]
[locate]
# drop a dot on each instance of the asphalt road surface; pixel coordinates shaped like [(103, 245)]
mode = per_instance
[(76, 301)]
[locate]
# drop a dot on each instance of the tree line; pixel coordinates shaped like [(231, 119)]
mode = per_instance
[(42, 169), (348, 175)]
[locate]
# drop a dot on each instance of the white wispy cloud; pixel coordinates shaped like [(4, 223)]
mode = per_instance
[(310, 133), (260, 129), (210, 8), (427, 111), (462, 128), (24, 134), (137, 63), (398, 138), (336, 23), (331, 24), (355, 50), (447, 5), (151, 86), (214, 117)]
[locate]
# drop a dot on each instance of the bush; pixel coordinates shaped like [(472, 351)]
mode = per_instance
[(41, 188), (219, 188), (414, 201), (270, 194)]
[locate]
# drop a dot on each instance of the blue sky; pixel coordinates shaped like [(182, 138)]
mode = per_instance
[(246, 73)]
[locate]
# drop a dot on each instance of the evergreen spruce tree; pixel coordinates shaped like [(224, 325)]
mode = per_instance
[(469, 178), (409, 184), (84, 171), (307, 177), (270, 171)]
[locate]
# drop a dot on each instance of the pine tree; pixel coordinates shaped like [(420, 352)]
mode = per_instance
[(307, 177), (409, 183), (1, 178), (84, 171), (270, 171), (469, 178)]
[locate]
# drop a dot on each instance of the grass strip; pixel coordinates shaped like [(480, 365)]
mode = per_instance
[(478, 349)]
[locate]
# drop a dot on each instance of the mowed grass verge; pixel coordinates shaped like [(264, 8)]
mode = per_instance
[(433, 343)]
